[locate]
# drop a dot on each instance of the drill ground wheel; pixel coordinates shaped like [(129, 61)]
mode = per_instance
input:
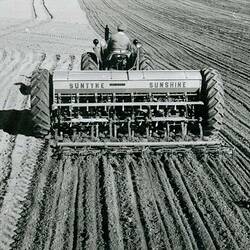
[(146, 62), (88, 63), (212, 94), (40, 103)]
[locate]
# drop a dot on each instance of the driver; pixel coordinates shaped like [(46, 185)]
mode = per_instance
[(119, 43)]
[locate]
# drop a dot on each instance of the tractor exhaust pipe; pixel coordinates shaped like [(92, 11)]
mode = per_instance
[(106, 33), (138, 46)]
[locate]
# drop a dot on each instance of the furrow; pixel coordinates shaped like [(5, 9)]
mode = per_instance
[(204, 236), (154, 230), (131, 224), (64, 213)]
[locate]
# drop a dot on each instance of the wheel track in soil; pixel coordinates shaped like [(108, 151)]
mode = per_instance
[(40, 9), (40, 192), (8, 142), (14, 208)]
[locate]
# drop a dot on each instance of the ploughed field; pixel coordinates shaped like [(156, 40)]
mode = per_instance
[(142, 200)]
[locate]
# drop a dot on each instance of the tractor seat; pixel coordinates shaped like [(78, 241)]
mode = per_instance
[(121, 51), (118, 57), (120, 54)]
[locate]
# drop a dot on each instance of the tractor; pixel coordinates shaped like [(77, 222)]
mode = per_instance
[(123, 101)]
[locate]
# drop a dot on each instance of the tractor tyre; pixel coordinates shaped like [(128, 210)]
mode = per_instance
[(212, 94), (146, 62), (88, 63), (40, 103)]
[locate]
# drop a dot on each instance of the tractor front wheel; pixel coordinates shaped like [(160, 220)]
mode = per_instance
[(146, 62), (88, 62)]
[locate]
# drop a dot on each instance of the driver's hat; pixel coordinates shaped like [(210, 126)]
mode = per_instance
[(121, 27)]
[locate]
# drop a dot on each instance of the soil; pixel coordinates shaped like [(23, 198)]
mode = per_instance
[(108, 200)]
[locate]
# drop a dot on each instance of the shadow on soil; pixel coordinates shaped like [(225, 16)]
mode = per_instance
[(16, 122)]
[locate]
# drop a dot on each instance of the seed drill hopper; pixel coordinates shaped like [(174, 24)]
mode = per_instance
[(122, 102)]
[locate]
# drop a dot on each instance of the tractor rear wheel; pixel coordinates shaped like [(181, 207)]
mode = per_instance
[(40, 103), (88, 63), (212, 94)]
